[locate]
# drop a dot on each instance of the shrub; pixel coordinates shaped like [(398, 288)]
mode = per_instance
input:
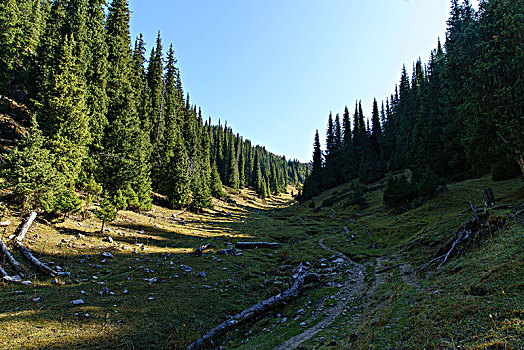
[(398, 192)]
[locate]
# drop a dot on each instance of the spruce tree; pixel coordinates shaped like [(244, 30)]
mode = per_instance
[(126, 144), (317, 156), (330, 136), (376, 131), (346, 128), (216, 183), (96, 72)]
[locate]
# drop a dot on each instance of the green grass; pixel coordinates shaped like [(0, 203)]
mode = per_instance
[(484, 280)]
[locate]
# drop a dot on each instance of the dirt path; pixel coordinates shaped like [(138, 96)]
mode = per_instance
[(353, 285)]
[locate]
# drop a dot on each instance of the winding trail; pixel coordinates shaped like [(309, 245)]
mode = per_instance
[(353, 285)]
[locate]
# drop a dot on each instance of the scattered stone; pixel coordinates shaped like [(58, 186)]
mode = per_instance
[(339, 261), (150, 298), (202, 274), (107, 255), (125, 291), (37, 299), (78, 302), (5, 223), (186, 268), (109, 239)]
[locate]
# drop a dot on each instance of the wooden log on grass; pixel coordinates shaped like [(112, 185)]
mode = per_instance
[(251, 245), (208, 340), (41, 266), (24, 226), (5, 252), (200, 250)]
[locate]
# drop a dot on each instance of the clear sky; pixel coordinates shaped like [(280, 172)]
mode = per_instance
[(274, 69)]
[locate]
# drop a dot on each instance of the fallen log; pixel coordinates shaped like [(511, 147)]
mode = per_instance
[(13, 279), (5, 223), (466, 233), (5, 252), (255, 310), (24, 226), (200, 250), (41, 266), (251, 245)]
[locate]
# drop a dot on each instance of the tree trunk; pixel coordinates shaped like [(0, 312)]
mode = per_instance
[(16, 265), (249, 245), (24, 227), (41, 266), (520, 160), (254, 311), (489, 197)]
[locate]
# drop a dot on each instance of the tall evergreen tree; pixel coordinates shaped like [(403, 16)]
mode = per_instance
[(126, 144), (376, 131)]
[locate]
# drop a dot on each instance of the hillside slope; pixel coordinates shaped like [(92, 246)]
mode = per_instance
[(161, 295)]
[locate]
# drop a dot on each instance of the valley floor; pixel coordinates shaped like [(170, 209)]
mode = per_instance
[(156, 293)]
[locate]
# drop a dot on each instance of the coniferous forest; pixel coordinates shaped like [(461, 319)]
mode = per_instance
[(85, 108), (458, 116), (129, 220)]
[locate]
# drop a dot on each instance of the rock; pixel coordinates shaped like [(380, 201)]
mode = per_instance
[(109, 239), (5, 223), (125, 291), (107, 255), (202, 274), (78, 302), (150, 298), (36, 299), (284, 320), (152, 280), (186, 268), (80, 235), (339, 261)]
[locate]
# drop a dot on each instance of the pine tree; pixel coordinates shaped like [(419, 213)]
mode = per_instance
[(376, 132), (241, 163), (125, 160), (96, 72), (216, 183), (156, 90), (317, 156), (338, 132), (63, 113), (176, 181), (29, 170), (330, 136), (346, 126)]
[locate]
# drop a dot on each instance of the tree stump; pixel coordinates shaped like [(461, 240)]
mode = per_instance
[(489, 198)]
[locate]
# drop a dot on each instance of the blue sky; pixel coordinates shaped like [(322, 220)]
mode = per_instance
[(274, 69)]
